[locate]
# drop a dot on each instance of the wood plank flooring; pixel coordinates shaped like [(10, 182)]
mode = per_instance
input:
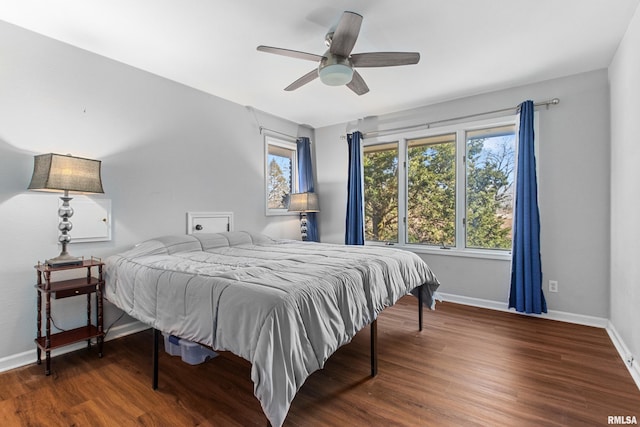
[(468, 367)]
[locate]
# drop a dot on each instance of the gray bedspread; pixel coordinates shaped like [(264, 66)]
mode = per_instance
[(283, 305)]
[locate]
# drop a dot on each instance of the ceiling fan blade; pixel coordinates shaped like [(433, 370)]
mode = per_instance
[(357, 84), (384, 59), (310, 76), (290, 53), (346, 34)]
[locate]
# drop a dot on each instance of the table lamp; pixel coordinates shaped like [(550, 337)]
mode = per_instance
[(303, 203), (57, 172)]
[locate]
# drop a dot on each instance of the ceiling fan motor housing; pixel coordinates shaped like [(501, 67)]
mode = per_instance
[(335, 70)]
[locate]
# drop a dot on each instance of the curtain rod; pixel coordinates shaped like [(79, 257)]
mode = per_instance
[(262, 128), (553, 101)]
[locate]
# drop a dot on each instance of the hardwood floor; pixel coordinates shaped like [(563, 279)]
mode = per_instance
[(468, 367)]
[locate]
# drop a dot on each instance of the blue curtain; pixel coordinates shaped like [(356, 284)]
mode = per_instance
[(354, 234), (526, 269), (305, 183)]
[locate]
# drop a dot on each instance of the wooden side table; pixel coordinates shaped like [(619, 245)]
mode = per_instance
[(64, 289)]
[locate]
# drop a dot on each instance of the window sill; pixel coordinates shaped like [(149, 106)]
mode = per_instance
[(466, 253)]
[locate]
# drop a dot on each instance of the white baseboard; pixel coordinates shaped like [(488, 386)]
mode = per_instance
[(28, 357), (581, 319), (625, 353)]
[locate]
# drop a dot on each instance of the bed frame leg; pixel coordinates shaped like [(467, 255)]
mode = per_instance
[(156, 336), (420, 307), (374, 348)]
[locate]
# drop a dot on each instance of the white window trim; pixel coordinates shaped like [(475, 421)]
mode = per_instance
[(460, 127), (289, 144)]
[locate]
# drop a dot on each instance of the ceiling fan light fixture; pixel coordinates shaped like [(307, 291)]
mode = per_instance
[(336, 74)]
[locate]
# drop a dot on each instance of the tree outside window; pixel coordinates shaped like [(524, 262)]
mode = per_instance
[(490, 183), (439, 203), (380, 163), (280, 174), (432, 190)]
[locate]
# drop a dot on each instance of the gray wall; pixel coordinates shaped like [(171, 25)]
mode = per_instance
[(166, 149), (624, 75), (573, 180)]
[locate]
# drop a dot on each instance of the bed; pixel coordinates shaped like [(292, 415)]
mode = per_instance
[(283, 305)]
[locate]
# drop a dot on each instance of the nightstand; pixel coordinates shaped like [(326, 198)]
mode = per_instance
[(59, 289)]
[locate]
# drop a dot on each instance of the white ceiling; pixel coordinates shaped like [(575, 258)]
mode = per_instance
[(467, 46)]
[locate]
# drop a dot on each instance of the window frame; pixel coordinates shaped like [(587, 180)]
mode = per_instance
[(459, 128), (289, 144)]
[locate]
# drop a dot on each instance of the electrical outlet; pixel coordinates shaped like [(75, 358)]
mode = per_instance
[(553, 286), (630, 360)]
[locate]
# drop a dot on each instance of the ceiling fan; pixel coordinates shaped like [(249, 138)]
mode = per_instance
[(336, 65)]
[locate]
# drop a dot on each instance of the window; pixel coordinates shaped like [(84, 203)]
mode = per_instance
[(380, 164), (455, 189), (431, 190), (490, 177), (281, 177)]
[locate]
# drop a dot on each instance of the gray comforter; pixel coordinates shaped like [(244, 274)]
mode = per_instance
[(283, 305)]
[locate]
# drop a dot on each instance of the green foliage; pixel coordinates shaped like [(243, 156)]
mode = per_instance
[(489, 195), (381, 195), (431, 194), (278, 187)]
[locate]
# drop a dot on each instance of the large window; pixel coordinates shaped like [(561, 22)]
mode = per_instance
[(451, 188), (281, 177)]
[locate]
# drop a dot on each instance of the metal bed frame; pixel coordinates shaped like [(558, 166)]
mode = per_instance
[(373, 344)]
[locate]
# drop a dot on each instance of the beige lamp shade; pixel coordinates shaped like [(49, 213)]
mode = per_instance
[(304, 202), (57, 172)]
